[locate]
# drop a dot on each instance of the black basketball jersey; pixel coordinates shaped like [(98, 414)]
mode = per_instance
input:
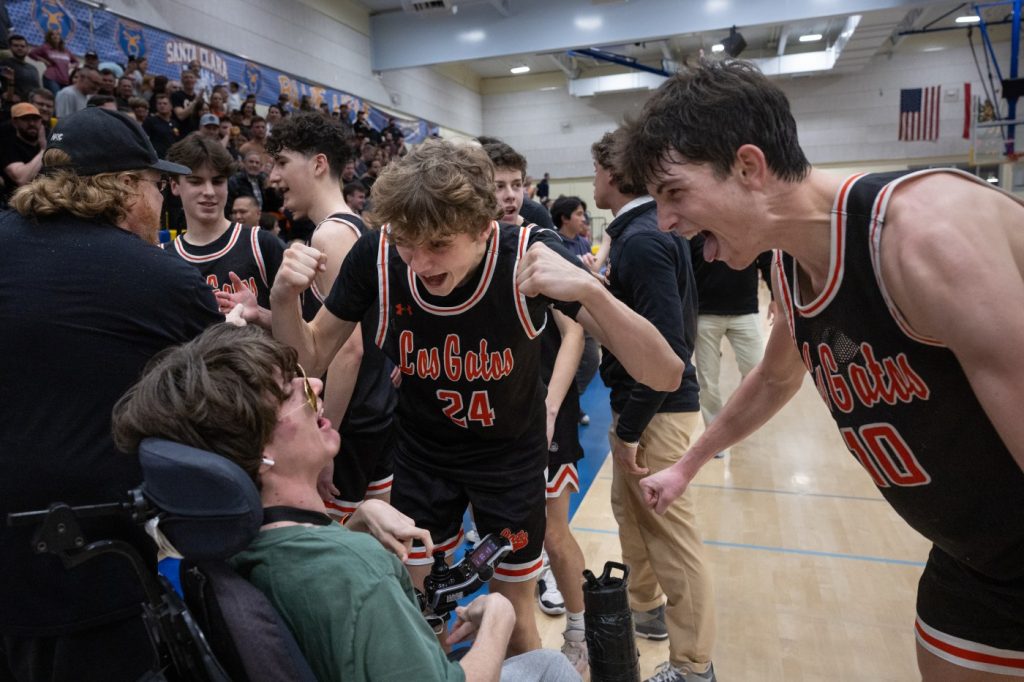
[(901, 401), (313, 298), (471, 396), (372, 406), (253, 254)]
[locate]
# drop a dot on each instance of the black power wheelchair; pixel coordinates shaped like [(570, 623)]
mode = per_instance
[(208, 510)]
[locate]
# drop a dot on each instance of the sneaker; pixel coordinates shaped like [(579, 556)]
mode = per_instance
[(584, 419), (548, 596), (575, 649), (666, 672), (650, 624)]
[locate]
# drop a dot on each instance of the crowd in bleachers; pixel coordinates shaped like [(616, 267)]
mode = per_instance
[(53, 82)]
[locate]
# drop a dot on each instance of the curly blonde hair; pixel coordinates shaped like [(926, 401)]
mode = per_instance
[(438, 189), (93, 197)]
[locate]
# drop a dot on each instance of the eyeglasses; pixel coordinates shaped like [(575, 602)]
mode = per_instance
[(161, 184), (311, 398)]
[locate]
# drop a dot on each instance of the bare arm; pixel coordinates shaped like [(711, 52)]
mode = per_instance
[(335, 240), (937, 271), (564, 372), (491, 617), (24, 173), (636, 343), (759, 397), (316, 342), (602, 252)]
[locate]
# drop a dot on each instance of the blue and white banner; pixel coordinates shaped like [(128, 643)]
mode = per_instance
[(115, 39)]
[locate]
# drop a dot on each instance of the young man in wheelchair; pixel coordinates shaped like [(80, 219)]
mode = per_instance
[(349, 603)]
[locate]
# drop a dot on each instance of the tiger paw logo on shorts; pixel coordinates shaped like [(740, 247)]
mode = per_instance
[(519, 539)]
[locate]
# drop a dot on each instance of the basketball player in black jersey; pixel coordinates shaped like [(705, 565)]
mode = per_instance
[(310, 152), (213, 244), (561, 349), (904, 294), (461, 304)]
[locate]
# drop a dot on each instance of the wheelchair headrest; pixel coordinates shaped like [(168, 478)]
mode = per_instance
[(211, 508)]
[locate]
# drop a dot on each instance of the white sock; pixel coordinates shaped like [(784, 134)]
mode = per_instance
[(574, 621)]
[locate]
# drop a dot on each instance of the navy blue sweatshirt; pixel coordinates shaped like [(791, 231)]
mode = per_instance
[(651, 273)]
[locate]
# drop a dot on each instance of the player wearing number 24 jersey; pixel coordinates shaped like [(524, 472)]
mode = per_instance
[(460, 305), (471, 396)]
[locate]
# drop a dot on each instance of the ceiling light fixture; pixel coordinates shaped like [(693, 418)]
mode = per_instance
[(810, 38), (969, 19), (520, 69)]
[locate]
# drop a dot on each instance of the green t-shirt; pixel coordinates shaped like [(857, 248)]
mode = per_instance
[(349, 603)]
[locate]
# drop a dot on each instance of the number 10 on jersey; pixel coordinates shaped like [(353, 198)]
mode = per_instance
[(479, 408)]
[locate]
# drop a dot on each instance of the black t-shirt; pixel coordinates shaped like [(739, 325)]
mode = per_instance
[(162, 133), (180, 99), (13, 149), (83, 307), (471, 402), (26, 77)]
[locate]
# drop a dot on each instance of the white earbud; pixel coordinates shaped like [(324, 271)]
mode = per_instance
[(269, 462)]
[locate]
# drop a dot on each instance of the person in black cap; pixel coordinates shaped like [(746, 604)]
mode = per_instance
[(86, 299)]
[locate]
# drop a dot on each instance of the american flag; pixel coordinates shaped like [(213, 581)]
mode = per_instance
[(919, 113)]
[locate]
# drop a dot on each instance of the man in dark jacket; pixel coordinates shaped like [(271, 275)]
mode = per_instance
[(652, 274), (86, 300)]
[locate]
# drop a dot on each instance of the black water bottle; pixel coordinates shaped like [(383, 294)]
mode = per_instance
[(610, 640)]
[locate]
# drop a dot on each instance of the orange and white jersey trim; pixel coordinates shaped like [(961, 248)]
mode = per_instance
[(967, 654)]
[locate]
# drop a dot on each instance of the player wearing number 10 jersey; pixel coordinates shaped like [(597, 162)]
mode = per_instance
[(461, 302)]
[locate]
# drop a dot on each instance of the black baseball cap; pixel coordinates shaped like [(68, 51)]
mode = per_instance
[(103, 141)]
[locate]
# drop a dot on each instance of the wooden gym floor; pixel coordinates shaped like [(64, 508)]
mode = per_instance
[(815, 576)]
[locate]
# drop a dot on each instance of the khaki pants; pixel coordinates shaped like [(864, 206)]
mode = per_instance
[(665, 554)]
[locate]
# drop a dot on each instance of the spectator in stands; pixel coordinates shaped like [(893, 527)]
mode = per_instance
[(245, 209), (355, 195), (42, 99), (188, 103), (125, 91), (103, 102), (234, 102), (268, 222), (139, 108), (348, 173), (75, 97), (108, 82), (58, 60), (92, 60), (18, 76), (162, 127), (250, 180), (21, 149), (159, 88), (218, 105), (274, 116), (361, 127), (248, 114), (263, 414), (209, 126), (371, 174), (285, 103), (257, 137), (392, 129), (367, 153)]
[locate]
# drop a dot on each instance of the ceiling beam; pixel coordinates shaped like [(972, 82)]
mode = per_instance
[(403, 40)]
